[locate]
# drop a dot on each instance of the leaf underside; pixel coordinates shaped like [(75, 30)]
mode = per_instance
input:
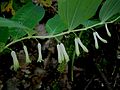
[(109, 8), (29, 15), (74, 12), (55, 25)]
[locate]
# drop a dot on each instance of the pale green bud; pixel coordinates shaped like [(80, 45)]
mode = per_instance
[(108, 32), (64, 52), (26, 54), (77, 47), (39, 53), (81, 44), (103, 40), (96, 41), (15, 61)]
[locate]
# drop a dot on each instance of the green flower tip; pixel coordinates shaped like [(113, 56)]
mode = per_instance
[(26, 55), (15, 61), (39, 53)]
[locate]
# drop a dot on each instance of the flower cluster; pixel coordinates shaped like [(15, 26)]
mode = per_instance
[(62, 54), (96, 35), (15, 59), (77, 43)]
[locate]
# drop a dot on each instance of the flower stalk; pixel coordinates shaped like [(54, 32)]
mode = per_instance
[(15, 61)]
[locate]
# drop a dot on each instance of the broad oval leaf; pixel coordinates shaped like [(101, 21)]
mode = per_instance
[(29, 15), (89, 23), (74, 12), (11, 24), (109, 8), (55, 25)]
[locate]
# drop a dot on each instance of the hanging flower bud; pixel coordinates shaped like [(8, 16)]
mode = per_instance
[(15, 61), (96, 41), (81, 44), (60, 55), (26, 54), (39, 53), (108, 32), (103, 40), (66, 57), (77, 47)]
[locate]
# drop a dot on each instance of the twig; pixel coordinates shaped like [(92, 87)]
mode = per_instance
[(89, 83), (104, 77)]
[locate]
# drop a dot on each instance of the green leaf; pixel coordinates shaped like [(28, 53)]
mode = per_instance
[(55, 25), (109, 8), (29, 15), (89, 23), (9, 23), (74, 12), (17, 33), (4, 35)]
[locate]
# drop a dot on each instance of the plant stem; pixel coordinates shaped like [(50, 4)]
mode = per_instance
[(72, 66), (63, 33), (73, 58)]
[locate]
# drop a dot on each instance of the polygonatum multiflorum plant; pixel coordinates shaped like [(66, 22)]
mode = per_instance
[(71, 14)]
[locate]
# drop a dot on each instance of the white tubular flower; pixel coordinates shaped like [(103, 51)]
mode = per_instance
[(77, 47), (15, 61), (39, 53), (26, 54), (81, 44), (108, 32), (96, 41), (103, 40), (66, 57), (60, 55)]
